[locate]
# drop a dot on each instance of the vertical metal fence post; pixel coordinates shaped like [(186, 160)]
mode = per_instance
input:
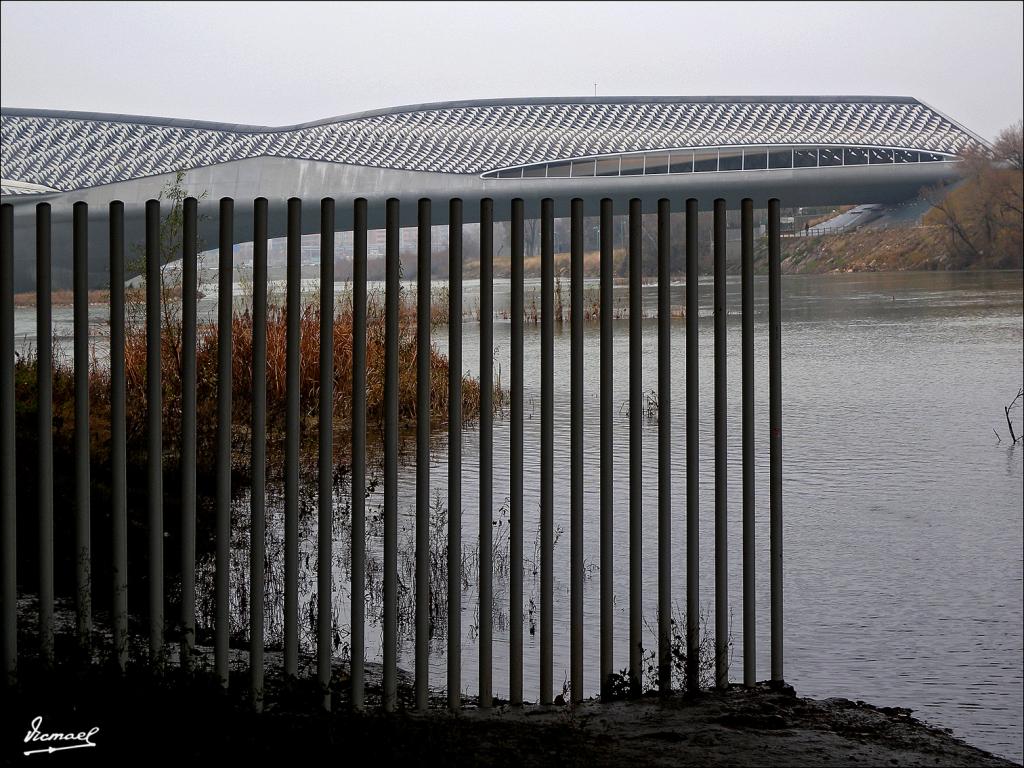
[(83, 556), (749, 581), (547, 392), (326, 453), (515, 631), (257, 499), (721, 457), (454, 454), (225, 296), (664, 446), (118, 440), (423, 310), (775, 427), (607, 452), (358, 588), (576, 451), (7, 471), (291, 439), (692, 457), (44, 396), (486, 444), (636, 459), (391, 268), (154, 434), (189, 286)]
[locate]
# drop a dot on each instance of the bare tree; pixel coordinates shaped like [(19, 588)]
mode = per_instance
[(532, 236), (984, 213), (1009, 422), (1009, 146), (170, 241)]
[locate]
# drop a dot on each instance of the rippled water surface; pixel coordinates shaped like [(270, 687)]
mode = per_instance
[(903, 512)]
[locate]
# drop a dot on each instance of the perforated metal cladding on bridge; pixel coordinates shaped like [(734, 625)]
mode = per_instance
[(67, 150)]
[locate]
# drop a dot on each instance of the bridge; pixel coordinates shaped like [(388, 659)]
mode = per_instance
[(83, 188), (805, 150)]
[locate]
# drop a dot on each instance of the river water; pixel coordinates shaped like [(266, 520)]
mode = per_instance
[(903, 511)]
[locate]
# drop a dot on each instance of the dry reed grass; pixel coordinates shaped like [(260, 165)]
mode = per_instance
[(61, 298), (242, 380)]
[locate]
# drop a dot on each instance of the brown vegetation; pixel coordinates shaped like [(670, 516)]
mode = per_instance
[(242, 379), (983, 217), (60, 298), (866, 250), (531, 264), (170, 244), (978, 223)]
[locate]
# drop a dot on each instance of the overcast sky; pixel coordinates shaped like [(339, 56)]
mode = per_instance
[(278, 64)]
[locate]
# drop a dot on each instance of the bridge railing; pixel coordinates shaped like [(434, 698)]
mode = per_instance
[(668, 445)]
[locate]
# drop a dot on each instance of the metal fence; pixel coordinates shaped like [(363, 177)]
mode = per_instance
[(358, 224), (821, 229)]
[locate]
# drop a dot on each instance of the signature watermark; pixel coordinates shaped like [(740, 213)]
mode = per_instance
[(38, 735)]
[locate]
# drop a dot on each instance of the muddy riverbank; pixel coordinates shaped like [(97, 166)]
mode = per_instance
[(188, 716), (140, 717)]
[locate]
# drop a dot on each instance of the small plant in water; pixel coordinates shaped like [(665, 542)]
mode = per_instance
[(620, 685)]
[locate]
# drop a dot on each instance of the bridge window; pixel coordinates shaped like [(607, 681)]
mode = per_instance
[(657, 163), (780, 158), (805, 158), (755, 159), (608, 166), (705, 161), (681, 162), (724, 159), (559, 170), (830, 156), (855, 156), (632, 165), (583, 168), (730, 160)]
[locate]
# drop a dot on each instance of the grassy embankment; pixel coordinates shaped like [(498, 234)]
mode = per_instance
[(882, 250), (974, 225)]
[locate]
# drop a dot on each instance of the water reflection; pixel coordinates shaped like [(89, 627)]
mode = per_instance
[(903, 514), (903, 520)]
